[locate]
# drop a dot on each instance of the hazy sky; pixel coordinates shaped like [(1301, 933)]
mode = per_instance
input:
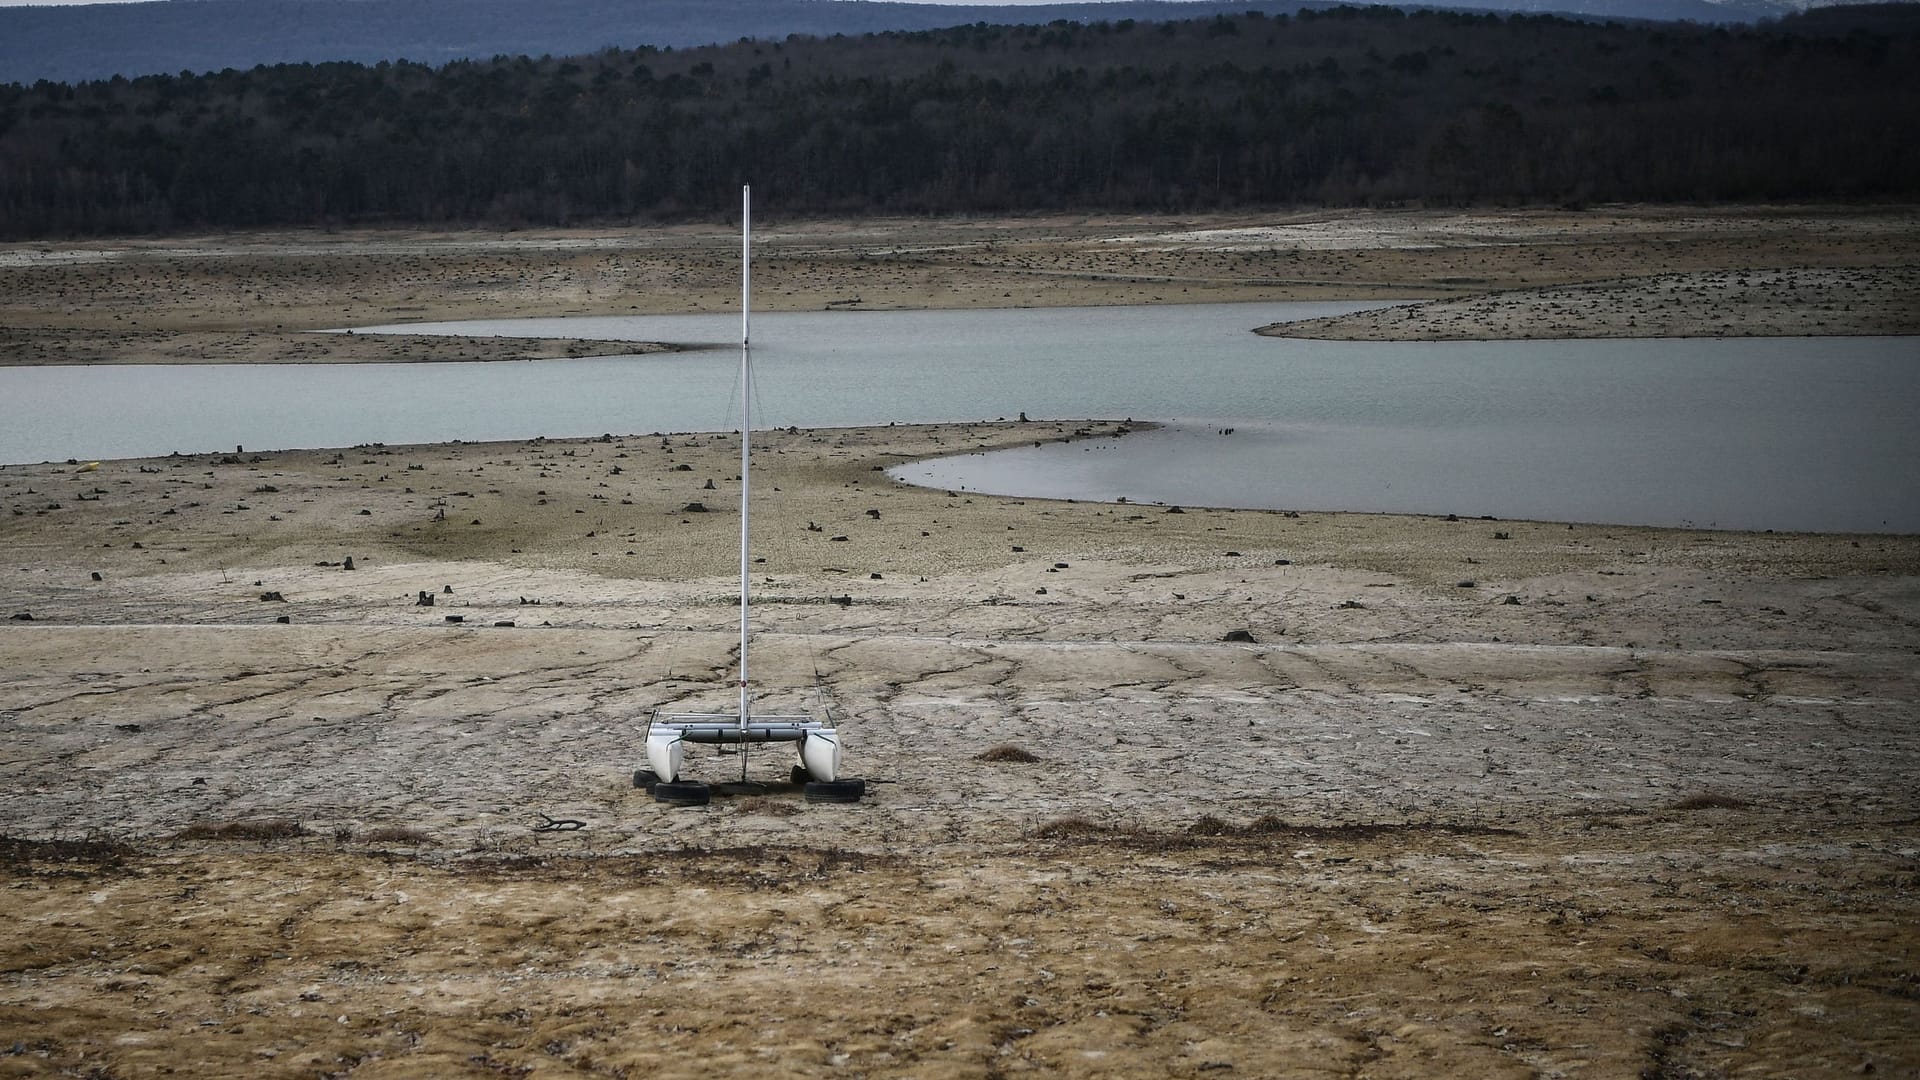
[(44, 3)]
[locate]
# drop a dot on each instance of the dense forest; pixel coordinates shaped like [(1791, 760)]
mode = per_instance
[(1344, 107)]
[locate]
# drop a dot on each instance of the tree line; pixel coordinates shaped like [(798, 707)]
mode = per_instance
[(1345, 107)]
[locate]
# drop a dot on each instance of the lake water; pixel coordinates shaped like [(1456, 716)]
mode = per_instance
[(1783, 433)]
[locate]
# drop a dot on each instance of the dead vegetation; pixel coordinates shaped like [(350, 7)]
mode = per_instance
[(262, 830), (25, 856), (397, 834), (1210, 830)]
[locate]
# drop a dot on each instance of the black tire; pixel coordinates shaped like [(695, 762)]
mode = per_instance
[(682, 793), (835, 791), (645, 778), (799, 775)]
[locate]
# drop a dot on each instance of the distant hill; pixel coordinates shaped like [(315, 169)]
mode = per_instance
[(1349, 106), (99, 41)]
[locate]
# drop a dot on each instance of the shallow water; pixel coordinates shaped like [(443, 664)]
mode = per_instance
[(1783, 433)]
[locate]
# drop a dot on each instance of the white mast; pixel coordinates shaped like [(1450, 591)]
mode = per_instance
[(746, 419), (668, 733)]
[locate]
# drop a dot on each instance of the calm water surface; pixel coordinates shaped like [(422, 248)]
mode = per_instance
[(1790, 433)]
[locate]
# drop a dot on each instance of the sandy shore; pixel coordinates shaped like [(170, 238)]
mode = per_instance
[(1611, 272), (318, 763), (1489, 798)]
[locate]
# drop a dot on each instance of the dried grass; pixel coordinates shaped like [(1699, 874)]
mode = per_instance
[(28, 855), (263, 830), (1208, 830), (397, 834), (1006, 752), (1062, 828)]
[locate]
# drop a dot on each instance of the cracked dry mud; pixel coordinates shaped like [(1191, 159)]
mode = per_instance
[(1634, 802)]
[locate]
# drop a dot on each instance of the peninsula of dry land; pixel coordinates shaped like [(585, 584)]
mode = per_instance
[(318, 762)]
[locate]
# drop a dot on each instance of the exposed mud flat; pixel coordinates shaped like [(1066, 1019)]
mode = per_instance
[(1310, 795), (1786, 302), (1477, 797), (1614, 271)]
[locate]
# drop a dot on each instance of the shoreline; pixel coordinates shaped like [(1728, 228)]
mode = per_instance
[(998, 435), (536, 489), (1506, 275), (1884, 302)]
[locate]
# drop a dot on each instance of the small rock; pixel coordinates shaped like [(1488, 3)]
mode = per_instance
[(1240, 635)]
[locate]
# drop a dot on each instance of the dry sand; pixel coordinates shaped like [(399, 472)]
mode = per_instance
[(1478, 798)]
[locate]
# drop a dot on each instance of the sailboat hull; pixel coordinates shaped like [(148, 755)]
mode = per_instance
[(820, 746), (665, 751), (820, 753)]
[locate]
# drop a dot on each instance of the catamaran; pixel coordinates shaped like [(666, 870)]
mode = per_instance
[(819, 768)]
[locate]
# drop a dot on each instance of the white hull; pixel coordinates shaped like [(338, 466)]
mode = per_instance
[(669, 734)]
